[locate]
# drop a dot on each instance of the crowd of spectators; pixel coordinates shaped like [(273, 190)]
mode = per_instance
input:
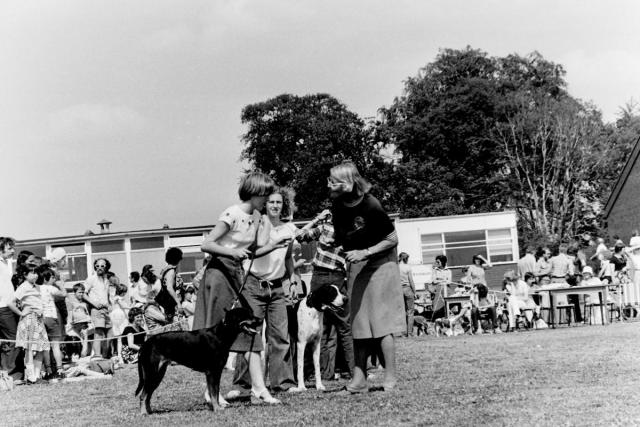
[(37, 313)]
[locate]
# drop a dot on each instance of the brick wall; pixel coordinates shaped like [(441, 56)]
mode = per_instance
[(624, 216)]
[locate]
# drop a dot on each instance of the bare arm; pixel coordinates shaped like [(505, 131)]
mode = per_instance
[(170, 280), (211, 245), (389, 242)]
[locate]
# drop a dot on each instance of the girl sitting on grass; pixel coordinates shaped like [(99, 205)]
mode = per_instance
[(134, 336), (31, 334)]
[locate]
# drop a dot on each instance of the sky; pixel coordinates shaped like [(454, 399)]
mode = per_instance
[(130, 110)]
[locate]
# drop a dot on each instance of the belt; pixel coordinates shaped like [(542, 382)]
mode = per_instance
[(559, 277), (273, 284)]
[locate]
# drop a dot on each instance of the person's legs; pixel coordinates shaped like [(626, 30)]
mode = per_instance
[(9, 351), (359, 378), (409, 309), (328, 347), (242, 379), (280, 370), (258, 388), (387, 344), (98, 335)]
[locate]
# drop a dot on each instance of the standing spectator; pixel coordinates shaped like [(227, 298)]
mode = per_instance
[(171, 284), (477, 268), (148, 287), (618, 259), (229, 244), (8, 311), (329, 268), (50, 290), (441, 279), (561, 265), (369, 239), (79, 317), (408, 289), (527, 264), (31, 334), (264, 290), (543, 265), (58, 263), (189, 305), (97, 296), (120, 305)]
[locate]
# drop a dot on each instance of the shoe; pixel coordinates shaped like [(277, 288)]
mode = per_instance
[(497, 331), (263, 397), (60, 376), (237, 395), (347, 391)]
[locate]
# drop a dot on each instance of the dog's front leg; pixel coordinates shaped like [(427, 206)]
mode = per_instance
[(213, 385), (300, 358), (316, 363)]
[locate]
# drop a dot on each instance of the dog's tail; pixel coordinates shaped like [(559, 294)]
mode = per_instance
[(142, 356)]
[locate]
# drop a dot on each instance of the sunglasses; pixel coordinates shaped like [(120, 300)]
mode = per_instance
[(101, 266)]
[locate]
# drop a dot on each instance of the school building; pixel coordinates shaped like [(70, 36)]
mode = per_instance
[(459, 237)]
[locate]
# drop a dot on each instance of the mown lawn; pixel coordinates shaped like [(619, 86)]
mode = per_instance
[(569, 376)]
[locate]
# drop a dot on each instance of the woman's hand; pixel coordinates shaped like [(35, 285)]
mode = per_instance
[(240, 254), (323, 215), (357, 255)]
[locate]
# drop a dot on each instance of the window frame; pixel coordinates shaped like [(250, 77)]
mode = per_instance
[(444, 246)]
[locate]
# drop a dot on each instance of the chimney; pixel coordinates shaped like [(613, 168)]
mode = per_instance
[(104, 226)]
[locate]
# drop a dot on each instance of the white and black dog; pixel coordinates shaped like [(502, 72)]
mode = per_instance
[(310, 320)]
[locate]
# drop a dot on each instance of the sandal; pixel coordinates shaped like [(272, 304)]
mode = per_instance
[(263, 397)]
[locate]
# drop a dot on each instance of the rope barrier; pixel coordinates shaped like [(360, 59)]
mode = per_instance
[(93, 339)]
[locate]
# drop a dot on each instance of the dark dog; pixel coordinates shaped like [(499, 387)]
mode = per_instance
[(204, 350), (310, 320)]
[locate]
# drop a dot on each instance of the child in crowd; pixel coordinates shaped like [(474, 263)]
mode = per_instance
[(135, 333), (31, 334), (50, 289), (79, 317), (120, 308), (189, 304)]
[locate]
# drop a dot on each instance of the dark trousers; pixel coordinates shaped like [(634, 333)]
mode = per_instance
[(9, 351), (337, 326)]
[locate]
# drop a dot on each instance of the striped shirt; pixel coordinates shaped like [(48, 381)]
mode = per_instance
[(327, 255)]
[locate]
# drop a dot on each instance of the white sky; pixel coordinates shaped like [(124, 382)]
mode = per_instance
[(130, 110)]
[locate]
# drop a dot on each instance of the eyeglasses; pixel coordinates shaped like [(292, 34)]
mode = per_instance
[(101, 266)]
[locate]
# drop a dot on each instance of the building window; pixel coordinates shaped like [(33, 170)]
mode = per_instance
[(76, 261), (189, 266), (147, 243), (39, 250), (460, 247), (102, 246)]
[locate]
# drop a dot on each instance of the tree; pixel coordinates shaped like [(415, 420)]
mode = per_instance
[(297, 139), (555, 152)]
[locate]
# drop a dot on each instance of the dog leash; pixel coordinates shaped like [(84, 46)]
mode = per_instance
[(246, 276)]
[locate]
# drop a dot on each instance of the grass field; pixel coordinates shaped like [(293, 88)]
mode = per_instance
[(569, 376)]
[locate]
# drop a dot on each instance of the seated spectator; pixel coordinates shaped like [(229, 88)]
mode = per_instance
[(518, 298), (483, 305), (79, 318), (134, 336)]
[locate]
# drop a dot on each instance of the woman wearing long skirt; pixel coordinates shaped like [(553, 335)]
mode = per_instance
[(369, 239), (229, 244)]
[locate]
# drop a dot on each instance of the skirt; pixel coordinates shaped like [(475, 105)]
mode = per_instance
[(32, 333), (377, 302), (218, 290)]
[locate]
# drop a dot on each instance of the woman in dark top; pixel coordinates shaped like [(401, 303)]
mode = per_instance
[(133, 336), (368, 237)]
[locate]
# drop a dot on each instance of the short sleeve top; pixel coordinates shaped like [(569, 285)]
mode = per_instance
[(272, 265), (242, 227), (29, 297), (361, 226)]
